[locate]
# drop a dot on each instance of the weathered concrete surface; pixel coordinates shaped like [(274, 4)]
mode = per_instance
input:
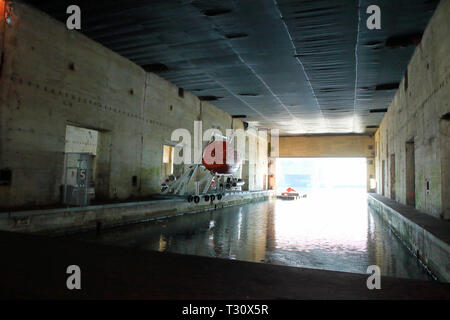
[(327, 146), (58, 221), (52, 77), (417, 114), (331, 146), (426, 236), (35, 267)]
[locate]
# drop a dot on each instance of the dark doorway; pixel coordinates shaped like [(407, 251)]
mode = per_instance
[(445, 164), (392, 181), (410, 177), (383, 177), (80, 162)]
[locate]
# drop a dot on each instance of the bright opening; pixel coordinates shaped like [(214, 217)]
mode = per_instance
[(311, 175), (331, 224), (167, 165)]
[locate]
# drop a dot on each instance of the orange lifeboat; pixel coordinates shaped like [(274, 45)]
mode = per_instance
[(289, 194), (215, 158)]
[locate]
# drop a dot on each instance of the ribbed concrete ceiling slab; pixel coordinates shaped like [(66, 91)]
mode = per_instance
[(303, 66)]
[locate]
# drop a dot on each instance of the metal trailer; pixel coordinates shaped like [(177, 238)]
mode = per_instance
[(211, 187)]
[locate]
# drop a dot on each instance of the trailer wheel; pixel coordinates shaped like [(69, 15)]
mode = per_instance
[(190, 198), (196, 199), (206, 198), (213, 197), (219, 197)]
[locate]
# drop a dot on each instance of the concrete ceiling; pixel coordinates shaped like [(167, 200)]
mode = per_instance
[(303, 66)]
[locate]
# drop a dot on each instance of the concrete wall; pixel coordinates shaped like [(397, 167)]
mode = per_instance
[(330, 146), (417, 114), (255, 168), (52, 77), (81, 140)]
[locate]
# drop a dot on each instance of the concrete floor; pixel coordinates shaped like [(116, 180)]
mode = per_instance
[(427, 236), (35, 267), (111, 214), (438, 227)]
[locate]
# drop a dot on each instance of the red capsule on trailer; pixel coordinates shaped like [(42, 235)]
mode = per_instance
[(215, 158)]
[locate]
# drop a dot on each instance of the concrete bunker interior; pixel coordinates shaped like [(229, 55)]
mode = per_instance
[(104, 136)]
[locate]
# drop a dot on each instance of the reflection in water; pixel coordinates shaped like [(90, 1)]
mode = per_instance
[(329, 230)]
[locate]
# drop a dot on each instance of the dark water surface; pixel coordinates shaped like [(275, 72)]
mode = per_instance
[(332, 229)]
